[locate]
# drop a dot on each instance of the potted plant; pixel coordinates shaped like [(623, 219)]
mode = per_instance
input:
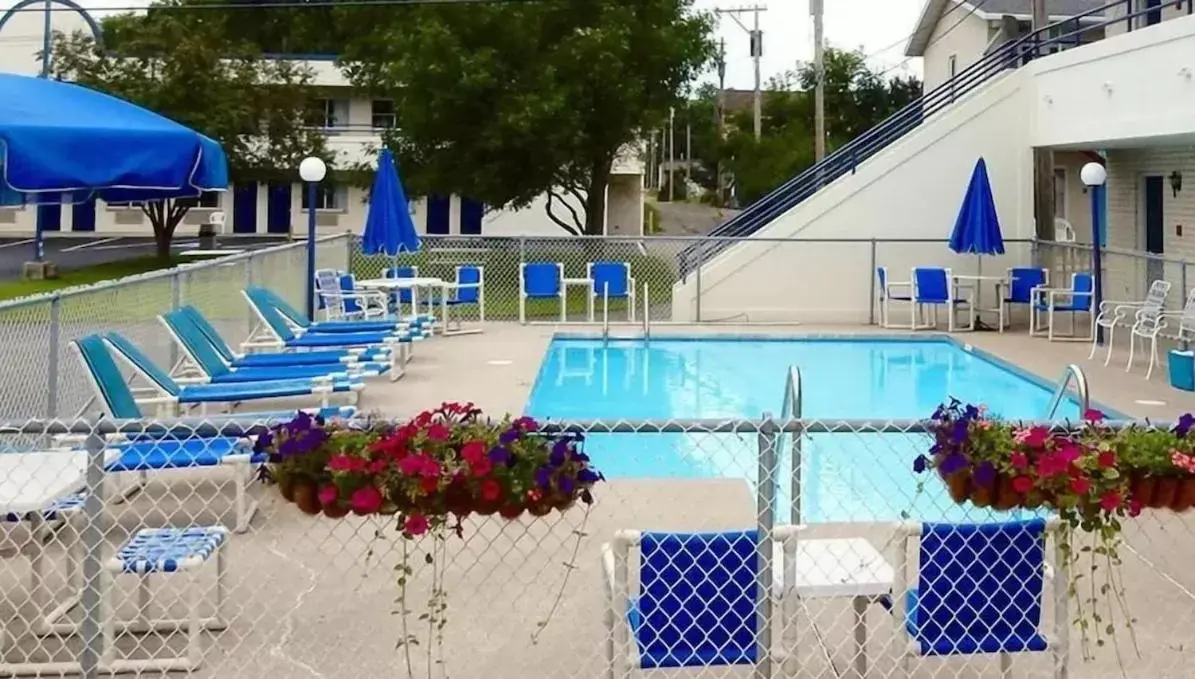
[(297, 454), (1147, 454)]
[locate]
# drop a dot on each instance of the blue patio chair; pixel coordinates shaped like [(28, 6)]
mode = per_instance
[(612, 281), (258, 295), (406, 295), (697, 604), (891, 291), (934, 287), (281, 358), (979, 591), (1021, 282), (1074, 300), (540, 280), (467, 290), (171, 395), (204, 365), (341, 301)]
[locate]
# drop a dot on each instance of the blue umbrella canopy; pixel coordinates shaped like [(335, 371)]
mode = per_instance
[(977, 229), (388, 226), (65, 142)]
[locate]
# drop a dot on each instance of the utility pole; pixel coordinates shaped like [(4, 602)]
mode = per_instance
[(671, 153), (688, 144), (720, 118), (819, 91), (1043, 159), (756, 36)]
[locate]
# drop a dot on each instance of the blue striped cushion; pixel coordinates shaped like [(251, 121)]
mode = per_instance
[(55, 512), (164, 550)]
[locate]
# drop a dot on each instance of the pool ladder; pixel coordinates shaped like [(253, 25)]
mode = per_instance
[(1073, 373), (792, 410), (646, 314)]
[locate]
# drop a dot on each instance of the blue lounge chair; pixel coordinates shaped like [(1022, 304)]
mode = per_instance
[(934, 287), (979, 591), (892, 291), (698, 600), (204, 365), (172, 395), (611, 281), (540, 280), (280, 358), (1074, 300), (259, 296), (1021, 282)]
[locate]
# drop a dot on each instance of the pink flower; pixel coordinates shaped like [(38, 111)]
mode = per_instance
[(1134, 507), (438, 432), (1109, 501), (490, 490), (345, 463), (1034, 437), (1093, 415), (1019, 461), (482, 467), (1022, 484), (1107, 459), (366, 500), (985, 424), (328, 494), (1081, 486), (416, 524), (1183, 462), (473, 451)]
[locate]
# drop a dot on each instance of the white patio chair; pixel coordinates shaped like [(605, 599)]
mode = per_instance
[(1148, 321), (1147, 313), (892, 291)]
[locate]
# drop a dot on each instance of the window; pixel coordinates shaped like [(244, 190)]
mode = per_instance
[(383, 114), (208, 200), (1060, 192), (327, 197), (329, 113)]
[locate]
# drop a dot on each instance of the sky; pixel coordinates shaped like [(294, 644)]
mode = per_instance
[(879, 27)]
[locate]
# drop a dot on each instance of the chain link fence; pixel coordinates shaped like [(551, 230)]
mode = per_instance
[(708, 542), (44, 376)]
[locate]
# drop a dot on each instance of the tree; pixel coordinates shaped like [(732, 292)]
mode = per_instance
[(183, 65), (504, 102)]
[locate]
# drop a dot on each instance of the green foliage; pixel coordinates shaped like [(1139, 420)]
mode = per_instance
[(506, 101), (185, 66)]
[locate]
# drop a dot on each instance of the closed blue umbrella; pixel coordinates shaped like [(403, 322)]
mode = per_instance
[(388, 226), (977, 229)]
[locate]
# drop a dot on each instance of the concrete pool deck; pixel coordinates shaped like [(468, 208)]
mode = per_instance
[(314, 597)]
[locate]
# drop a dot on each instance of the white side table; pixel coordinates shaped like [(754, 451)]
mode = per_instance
[(565, 284)]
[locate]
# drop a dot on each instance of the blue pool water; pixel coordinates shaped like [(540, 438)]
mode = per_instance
[(846, 476)]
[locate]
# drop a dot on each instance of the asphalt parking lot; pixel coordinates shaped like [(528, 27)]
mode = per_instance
[(76, 253)]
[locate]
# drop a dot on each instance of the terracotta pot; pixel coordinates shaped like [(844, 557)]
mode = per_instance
[(563, 503), (1005, 497), (1165, 493), (959, 487), (307, 498), (486, 508), (1185, 499), (983, 495), (1142, 488), (458, 499), (511, 511), (286, 488), (539, 508), (336, 510)]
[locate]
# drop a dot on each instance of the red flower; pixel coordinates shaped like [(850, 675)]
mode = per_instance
[(1134, 507), (346, 463), (1081, 486), (392, 446), (482, 467), (1093, 415), (423, 418), (1107, 459), (490, 490), (366, 500), (473, 451), (416, 524), (419, 465), (438, 432), (1019, 461), (1022, 484), (378, 466), (429, 484), (328, 494), (1109, 501)]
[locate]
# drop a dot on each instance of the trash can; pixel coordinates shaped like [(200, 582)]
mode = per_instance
[(208, 230), (1182, 369)]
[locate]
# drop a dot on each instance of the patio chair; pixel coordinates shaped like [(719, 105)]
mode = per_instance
[(259, 296), (934, 287), (697, 604), (1147, 321), (405, 295), (204, 365), (541, 280), (612, 281), (236, 359), (1074, 300), (468, 289), (891, 291), (342, 301), (170, 395), (1021, 282), (979, 591)]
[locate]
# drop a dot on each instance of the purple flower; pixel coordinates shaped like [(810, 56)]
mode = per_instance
[(970, 413), (920, 464), (588, 476), (500, 455), (952, 463), (565, 485), (985, 473), (1184, 425), (958, 434), (543, 477), (509, 436), (263, 442), (559, 452)]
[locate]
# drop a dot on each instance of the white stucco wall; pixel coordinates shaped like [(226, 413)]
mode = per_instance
[(964, 38)]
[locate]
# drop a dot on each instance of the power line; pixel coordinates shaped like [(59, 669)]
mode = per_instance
[(297, 4), (953, 7), (974, 8)]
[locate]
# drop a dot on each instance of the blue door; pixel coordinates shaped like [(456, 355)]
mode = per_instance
[(1155, 231), (278, 209), (83, 216), (472, 212), (438, 208), (1154, 15), (244, 208), (49, 217)]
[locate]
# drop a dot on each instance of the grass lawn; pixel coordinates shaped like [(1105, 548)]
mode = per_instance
[(86, 276)]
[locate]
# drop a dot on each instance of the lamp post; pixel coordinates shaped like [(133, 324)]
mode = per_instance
[(1094, 175), (312, 171)]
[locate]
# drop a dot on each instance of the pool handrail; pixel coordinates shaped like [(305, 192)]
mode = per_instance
[(1071, 373), (646, 312), (605, 313), (792, 410)]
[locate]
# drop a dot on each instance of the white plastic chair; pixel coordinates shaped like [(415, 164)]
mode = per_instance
[(1148, 321), (892, 291), (1147, 314)]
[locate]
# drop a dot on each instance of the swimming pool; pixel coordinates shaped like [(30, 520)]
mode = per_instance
[(846, 477)]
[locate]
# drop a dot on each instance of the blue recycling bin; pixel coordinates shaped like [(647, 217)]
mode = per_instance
[(1182, 369)]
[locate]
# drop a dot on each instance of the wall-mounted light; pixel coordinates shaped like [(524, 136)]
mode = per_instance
[(1176, 182)]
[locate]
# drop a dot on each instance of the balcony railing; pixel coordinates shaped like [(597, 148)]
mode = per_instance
[(1056, 37)]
